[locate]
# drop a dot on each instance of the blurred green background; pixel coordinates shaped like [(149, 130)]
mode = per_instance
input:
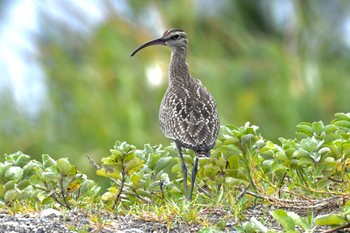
[(274, 63)]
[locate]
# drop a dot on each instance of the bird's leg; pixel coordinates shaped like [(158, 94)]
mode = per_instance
[(194, 173), (184, 170)]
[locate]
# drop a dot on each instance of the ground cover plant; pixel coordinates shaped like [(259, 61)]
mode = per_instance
[(301, 184)]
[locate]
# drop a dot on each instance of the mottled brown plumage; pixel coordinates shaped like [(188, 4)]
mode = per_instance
[(188, 114)]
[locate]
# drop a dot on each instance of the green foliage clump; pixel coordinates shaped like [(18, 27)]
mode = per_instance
[(308, 172), (315, 163), (147, 174), (47, 182)]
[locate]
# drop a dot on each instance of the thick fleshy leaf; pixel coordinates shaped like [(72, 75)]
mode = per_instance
[(106, 172), (51, 174), (301, 222), (282, 217), (36, 180), (134, 165), (22, 160), (329, 219), (12, 194), (318, 127), (48, 161), (13, 173), (64, 166)]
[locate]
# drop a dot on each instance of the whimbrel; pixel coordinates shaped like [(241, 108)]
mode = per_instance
[(188, 114)]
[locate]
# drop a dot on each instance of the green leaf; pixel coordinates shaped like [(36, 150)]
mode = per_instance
[(276, 167), (12, 194), (330, 129), (153, 160), (31, 168), (308, 144), (176, 168), (329, 162), (318, 127), (23, 184), (26, 192), (135, 178), (42, 197), (342, 123), (306, 127), (48, 161), (35, 180), (13, 173), (228, 150), (286, 221), (187, 158), (210, 171), (3, 169), (22, 160), (343, 116), (108, 196), (231, 141), (257, 225), (129, 157), (148, 149), (140, 154), (268, 163), (301, 153), (329, 219), (175, 190), (220, 162), (233, 162), (2, 193), (64, 166), (109, 172), (324, 151), (248, 140), (323, 183), (133, 165), (301, 222), (10, 184), (315, 156), (162, 163), (281, 156), (89, 187), (219, 179), (209, 230), (144, 193), (125, 147), (110, 160), (51, 174), (72, 185)]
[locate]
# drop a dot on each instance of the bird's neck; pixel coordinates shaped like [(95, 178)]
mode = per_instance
[(178, 68)]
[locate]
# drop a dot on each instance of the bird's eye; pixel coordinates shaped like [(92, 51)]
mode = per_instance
[(176, 37)]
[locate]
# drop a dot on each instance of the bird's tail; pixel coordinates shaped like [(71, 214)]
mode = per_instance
[(202, 154)]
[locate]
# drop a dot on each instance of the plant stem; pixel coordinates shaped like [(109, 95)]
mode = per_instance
[(337, 229), (63, 194), (121, 186)]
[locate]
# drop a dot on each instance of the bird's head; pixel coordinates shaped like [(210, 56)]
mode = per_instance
[(173, 38)]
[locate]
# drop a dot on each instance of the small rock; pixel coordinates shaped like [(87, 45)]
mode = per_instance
[(50, 213), (134, 230)]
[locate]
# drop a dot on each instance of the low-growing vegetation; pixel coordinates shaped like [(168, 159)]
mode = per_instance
[(305, 180)]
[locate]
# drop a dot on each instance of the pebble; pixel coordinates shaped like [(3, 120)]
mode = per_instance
[(50, 213), (52, 221)]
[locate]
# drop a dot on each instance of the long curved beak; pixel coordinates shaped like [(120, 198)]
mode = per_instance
[(158, 41)]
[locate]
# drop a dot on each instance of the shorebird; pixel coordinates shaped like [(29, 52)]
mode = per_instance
[(188, 113)]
